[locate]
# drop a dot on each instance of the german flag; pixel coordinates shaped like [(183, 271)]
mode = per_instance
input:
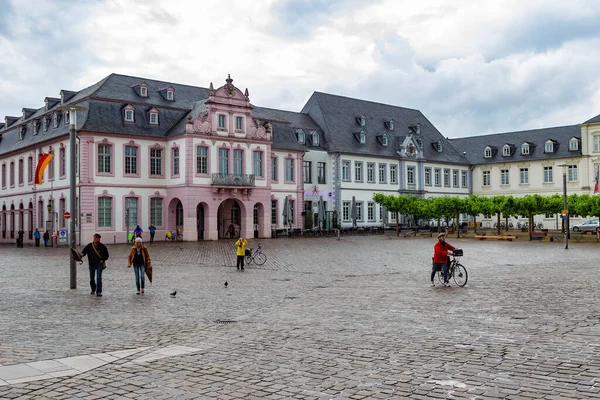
[(41, 167)]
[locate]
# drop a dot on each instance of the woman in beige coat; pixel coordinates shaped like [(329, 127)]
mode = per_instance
[(140, 259)]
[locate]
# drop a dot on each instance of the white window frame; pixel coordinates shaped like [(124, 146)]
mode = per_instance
[(487, 153), (384, 140), (129, 115), (315, 139), (382, 173), (345, 211), (455, 182), (301, 136), (506, 151), (170, 94), (572, 173), (524, 149), (597, 143), (153, 118), (548, 175), (143, 91), (427, 176), (346, 170), (370, 172), (573, 145), (504, 177), (437, 177), (524, 176), (239, 124), (358, 171), (410, 175), (464, 179), (221, 118), (447, 177), (549, 147), (363, 138), (486, 178), (393, 174)]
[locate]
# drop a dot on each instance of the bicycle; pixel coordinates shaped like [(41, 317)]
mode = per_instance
[(456, 270), (257, 256)]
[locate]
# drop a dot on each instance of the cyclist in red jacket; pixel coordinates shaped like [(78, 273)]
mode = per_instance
[(440, 258)]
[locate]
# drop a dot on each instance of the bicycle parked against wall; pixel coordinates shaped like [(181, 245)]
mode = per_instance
[(456, 270), (255, 256)]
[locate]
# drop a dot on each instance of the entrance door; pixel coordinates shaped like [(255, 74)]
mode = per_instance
[(200, 221)]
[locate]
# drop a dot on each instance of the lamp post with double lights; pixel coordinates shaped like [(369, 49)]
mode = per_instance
[(565, 209), (72, 109)]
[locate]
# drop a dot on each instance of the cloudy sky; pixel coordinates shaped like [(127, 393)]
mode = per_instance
[(471, 67)]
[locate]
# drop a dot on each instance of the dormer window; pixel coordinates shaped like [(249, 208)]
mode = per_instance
[(55, 119), (439, 146), (390, 124), (315, 138), (525, 149), (129, 115), (384, 140), (66, 113), (416, 129), (153, 117), (21, 132), (549, 147), (362, 120), (362, 137), (36, 127), (45, 124), (170, 94), (301, 136), (574, 144), (487, 152), (506, 151), (420, 143), (143, 91)]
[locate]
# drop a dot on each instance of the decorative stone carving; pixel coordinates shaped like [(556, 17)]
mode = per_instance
[(105, 193), (202, 123), (131, 193), (157, 193), (215, 193)]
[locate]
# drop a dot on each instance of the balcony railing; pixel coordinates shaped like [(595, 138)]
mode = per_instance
[(233, 179)]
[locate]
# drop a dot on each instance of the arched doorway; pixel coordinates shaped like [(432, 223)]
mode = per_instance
[(200, 224), (230, 219), (175, 216), (4, 221), (12, 221), (258, 214), (30, 221)]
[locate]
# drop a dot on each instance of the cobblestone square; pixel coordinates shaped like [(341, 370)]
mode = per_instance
[(354, 318)]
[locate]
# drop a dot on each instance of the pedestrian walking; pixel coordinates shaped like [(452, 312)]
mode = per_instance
[(137, 232), (152, 230), (20, 234), (241, 252), (46, 238), (139, 257), (97, 254), (36, 236)]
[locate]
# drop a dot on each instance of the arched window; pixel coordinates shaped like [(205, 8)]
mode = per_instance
[(179, 214), (235, 213)]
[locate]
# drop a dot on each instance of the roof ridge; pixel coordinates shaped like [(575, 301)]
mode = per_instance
[(366, 101), (156, 80), (523, 131)]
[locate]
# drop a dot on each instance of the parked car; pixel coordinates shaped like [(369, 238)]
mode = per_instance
[(587, 226)]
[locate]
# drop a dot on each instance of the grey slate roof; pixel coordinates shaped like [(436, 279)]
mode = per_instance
[(336, 115), (593, 120), (474, 146)]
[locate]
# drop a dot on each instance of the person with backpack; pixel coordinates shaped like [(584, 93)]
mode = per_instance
[(36, 236), (152, 230)]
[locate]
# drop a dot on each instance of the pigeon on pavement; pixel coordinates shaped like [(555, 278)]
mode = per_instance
[(226, 283), (174, 293)]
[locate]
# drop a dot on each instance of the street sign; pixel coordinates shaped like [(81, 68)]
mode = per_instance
[(67, 215), (565, 211), (62, 237)]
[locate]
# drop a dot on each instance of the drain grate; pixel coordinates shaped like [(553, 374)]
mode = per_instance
[(225, 321)]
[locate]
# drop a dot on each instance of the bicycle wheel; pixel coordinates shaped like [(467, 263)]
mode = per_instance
[(260, 258), (440, 274), (460, 275), (248, 259)]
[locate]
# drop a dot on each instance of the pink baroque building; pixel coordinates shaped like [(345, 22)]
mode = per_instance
[(204, 162)]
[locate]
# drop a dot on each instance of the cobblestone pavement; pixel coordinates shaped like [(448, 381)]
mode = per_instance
[(353, 318)]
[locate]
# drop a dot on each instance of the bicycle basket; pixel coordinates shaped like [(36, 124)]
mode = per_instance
[(248, 252), (457, 252)]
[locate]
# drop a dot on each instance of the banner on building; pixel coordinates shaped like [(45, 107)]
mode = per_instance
[(597, 178), (41, 167)]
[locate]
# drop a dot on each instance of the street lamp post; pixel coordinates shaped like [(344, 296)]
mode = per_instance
[(565, 209), (72, 109)]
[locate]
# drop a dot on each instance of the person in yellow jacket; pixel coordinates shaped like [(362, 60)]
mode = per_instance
[(241, 252), (140, 259)]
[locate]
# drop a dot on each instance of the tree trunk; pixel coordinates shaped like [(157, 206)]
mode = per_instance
[(457, 224), (506, 223), (397, 224), (530, 225), (498, 225), (475, 224)]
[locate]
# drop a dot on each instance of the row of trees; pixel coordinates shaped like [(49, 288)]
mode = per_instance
[(501, 206)]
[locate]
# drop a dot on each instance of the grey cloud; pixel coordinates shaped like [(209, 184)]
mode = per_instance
[(297, 18)]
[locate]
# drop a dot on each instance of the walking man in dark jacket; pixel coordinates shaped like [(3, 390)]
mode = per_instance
[(97, 253)]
